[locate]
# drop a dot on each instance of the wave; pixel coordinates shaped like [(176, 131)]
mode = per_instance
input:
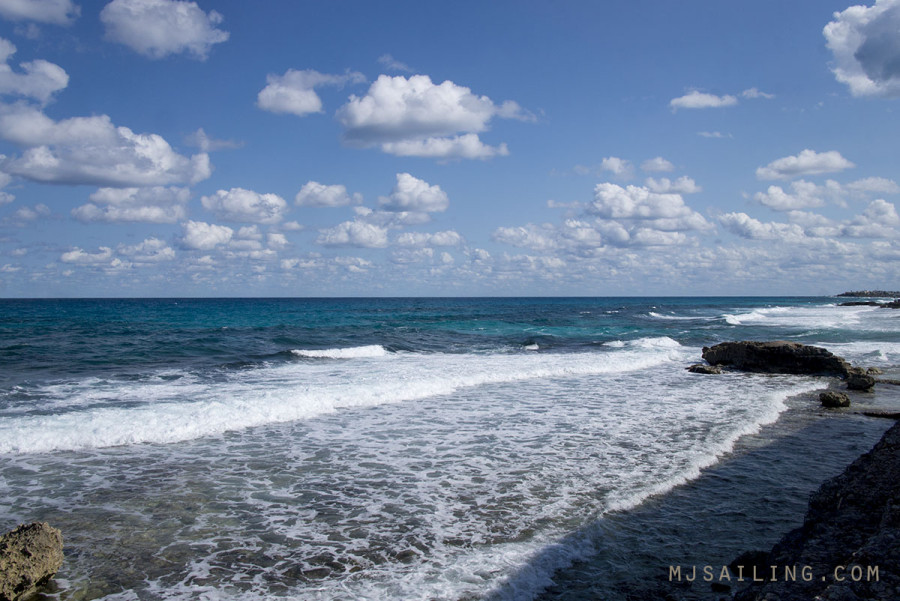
[(354, 352), (102, 413)]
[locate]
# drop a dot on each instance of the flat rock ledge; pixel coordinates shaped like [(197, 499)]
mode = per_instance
[(29, 556), (848, 548), (776, 356)]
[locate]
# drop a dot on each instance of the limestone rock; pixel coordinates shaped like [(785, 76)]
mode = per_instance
[(834, 399), (858, 379), (776, 357), (29, 556)]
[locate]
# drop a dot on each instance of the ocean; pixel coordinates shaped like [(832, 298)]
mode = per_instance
[(423, 448)]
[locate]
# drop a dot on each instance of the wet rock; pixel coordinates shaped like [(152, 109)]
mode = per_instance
[(858, 379), (776, 357), (700, 368), (832, 399), (874, 371), (849, 538), (29, 556)]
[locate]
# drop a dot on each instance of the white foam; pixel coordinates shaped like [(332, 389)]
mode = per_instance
[(172, 411), (531, 347), (355, 352), (819, 317)]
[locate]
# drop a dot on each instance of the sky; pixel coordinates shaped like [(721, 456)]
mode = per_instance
[(160, 148)]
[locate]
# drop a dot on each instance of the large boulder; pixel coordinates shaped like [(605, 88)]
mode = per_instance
[(29, 556), (776, 357)]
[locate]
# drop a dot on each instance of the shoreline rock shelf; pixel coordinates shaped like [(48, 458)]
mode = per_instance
[(849, 537)]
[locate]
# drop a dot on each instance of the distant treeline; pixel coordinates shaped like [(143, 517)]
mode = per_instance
[(871, 293)]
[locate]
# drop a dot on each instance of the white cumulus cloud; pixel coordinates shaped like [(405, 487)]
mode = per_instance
[(411, 116), (414, 195), (747, 227), (81, 257), (93, 151), (55, 12), (866, 47), (808, 162), (158, 28), (39, 79), (803, 195), (151, 250), (354, 233), (420, 239), (155, 204), (667, 210), (617, 166), (199, 235), (314, 194), (246, 206), (294, 92), (682, 185)]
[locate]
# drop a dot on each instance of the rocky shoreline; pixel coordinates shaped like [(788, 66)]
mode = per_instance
[(848, 547)]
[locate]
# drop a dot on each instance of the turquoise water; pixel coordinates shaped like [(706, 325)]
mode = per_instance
[(375, 448)]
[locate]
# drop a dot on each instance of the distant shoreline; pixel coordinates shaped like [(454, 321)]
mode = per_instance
[(871, 294)]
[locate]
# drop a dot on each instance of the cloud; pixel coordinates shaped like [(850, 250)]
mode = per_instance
[(747, 227), (55, 12), (80, 257), (421, 239), (879, 220), (878, 185), (808, 162), (151, 250), (30, 214), (314, 194), (866, 48), (468, 146), (804, 195), (616, 166), (754, 93), (156, 204), (682, 185), (199, 235), (390, 63), (663, 211), (415, 117), (713, 134), (246, 206), (657, 164), (39, 80), (294, 92), (354, 233), (414, 195), (700, 100), (159, 28), (199, 139), (93, 151)]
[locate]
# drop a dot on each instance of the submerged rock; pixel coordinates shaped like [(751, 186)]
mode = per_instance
[(699, 368), (776, 357), (832, 399), (29, 556), (847, 546)]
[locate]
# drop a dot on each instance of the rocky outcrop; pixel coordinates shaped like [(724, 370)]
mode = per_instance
[(29, 556), (847, 546), (834, 399), (776, 357)]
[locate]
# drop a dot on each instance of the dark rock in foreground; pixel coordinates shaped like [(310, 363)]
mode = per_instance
[(776, 357), (834, 399), (29, 556), (847, 548)]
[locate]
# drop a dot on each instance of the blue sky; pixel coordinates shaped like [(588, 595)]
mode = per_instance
[(274, 148)]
